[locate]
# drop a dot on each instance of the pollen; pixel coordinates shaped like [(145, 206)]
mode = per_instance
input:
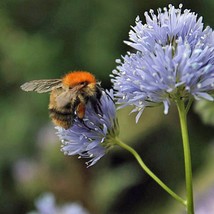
[(77, 77)]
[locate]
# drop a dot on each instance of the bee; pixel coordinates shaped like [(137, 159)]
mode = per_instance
[(69, 96)]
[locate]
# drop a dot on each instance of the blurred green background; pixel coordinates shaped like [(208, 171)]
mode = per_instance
[(46, 39)]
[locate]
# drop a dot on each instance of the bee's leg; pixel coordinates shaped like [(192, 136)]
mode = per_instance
[(84, 124), (80, 112), (96, 104)]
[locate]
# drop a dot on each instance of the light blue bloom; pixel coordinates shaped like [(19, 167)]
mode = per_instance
[(46, 204), (174, 59), (92, 138)]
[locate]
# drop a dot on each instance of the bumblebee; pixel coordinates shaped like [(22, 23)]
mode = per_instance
[(69, 96)]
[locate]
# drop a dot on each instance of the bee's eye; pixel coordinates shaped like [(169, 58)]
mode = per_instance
[(83, 83)]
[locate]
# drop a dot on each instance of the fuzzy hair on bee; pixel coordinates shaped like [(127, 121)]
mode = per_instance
[(69, 96)]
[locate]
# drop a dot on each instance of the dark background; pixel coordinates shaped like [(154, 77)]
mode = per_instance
[(46, 39)]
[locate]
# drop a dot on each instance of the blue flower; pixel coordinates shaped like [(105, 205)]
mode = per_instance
[(174, 59), (93, 137), (45, 204)]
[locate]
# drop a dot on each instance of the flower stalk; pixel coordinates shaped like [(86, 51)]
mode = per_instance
[(149, 172), (187, 155)]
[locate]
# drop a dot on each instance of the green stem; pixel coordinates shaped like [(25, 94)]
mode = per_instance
[(188, 105), (187, 156), (149, 172)]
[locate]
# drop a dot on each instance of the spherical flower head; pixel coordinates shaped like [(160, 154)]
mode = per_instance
[(93, 136), (174, 59)]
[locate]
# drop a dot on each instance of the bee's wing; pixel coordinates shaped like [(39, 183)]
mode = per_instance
[(42, 86), (66, 96)]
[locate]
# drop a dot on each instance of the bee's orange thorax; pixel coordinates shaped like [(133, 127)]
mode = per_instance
[(76, 77)]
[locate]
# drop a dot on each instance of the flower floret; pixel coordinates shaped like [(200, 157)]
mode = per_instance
[(91, 137)]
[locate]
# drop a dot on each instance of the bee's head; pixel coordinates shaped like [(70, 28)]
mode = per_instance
[(75, 78)]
